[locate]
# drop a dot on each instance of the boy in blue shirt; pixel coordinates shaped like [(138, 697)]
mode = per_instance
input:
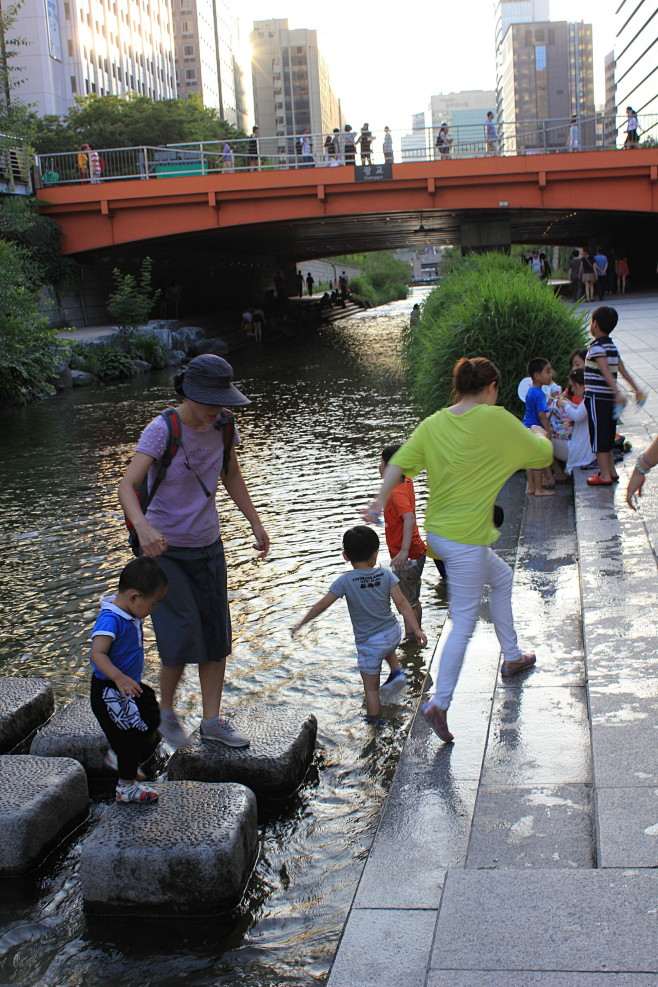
[(368, 591), (125, 707), (536, 413)]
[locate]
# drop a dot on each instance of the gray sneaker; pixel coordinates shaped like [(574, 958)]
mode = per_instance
[(172, 729), (220, 728)]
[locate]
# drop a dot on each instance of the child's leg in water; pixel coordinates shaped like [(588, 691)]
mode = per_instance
[(371, 689), (392, 660), (539, 490), (547, 478)]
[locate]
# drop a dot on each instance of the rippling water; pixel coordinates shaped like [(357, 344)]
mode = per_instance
[(321, 413)]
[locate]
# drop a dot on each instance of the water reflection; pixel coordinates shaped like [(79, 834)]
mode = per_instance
[(321, 413)]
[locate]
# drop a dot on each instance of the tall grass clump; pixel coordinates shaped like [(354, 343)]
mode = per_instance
[(491, 306)]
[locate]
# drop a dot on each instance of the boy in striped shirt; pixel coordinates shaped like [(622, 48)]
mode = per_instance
[(602, 364)]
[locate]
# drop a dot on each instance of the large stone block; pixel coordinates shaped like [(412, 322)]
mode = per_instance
[(75, 732), (41, 799), (215, 346), (274, 764), (189, 854), (24, 705)]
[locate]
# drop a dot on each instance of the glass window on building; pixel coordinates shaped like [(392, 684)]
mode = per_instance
[(540, 58)]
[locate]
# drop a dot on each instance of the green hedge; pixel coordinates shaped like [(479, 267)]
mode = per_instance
[(491, 306)]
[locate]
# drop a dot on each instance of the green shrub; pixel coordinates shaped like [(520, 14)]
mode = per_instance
[(131, 301), (113, 363), (491, 306), (29, 350), (149, 348)]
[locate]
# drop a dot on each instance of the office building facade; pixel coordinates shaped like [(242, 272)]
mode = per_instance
[(465, 113), (548, 78), (506, 13), (636, 54), (103, 47), (415, 146), (292, 90)]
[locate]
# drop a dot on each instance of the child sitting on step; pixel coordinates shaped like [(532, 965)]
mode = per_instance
[(125, 707)]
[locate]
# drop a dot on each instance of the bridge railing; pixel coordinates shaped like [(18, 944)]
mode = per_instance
[(15, 172), (284, 152)]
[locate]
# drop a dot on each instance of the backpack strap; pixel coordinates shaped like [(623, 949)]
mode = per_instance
[(170, 416)]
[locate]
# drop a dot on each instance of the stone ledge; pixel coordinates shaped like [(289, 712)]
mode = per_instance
[(25, 704), (273, 766), (75, 732), (192, 853), (41, 799)]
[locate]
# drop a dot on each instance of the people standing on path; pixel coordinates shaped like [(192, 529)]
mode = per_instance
[(406, 548), (622, 271), (365, 140), (535, 264), (343, 285), (414, 317), (310, 281), (588, 274), (387, 146), (228, 158), (308, 161), (491, 135), (601, 271), (443, 140), (329, 150), (338, 147), (300, 283), (632, 138), (602, 393), (573, 140), (125, 707), (469, 450), (252, 150), (181, 529), (575, 274), (350, 146)]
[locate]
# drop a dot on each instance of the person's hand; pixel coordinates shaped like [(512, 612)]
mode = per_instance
[(372, 513), (541, 432), (293, 630), (634, 488), (421, 638), (262, 544), (398, 562), (151, 542), (620, 398), (127, 686)]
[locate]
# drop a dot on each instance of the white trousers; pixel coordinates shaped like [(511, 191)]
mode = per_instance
[(469, 569)]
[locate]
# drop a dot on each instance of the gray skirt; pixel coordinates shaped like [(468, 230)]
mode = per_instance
[(192, 623)]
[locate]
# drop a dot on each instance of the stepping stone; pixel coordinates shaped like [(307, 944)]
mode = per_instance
[(75, 732), (41, 799), (191, 853), (273, 766), (24, 705)]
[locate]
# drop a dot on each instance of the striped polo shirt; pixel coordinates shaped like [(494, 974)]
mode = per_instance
[(595, 382)]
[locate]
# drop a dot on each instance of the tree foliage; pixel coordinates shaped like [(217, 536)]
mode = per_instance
[(492, 306), (131, 301), (384, 277), (130, 121), (28, 348)]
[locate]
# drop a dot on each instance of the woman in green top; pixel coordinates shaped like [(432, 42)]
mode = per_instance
[(469, 450)]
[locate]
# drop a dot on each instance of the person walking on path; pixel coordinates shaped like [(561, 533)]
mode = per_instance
[(443, 141), (491, 135), (469, 450), (308, 161), (588, 275), (310, 281), (387, 146), (576, 274), (350, 146), (601, 271), (300, 283), (365, 139), (181, 529), (406, 548), (573, 140), (228, 158), (632, 138), (252, 150)]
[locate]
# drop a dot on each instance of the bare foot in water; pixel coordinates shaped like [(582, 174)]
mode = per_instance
[(544, 493)]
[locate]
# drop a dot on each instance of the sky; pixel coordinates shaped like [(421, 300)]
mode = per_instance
[(384, 66)]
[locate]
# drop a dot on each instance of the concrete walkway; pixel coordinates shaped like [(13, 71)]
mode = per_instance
[(526, 853)]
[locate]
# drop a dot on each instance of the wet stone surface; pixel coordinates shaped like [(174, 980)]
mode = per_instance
[(41, 799), (24, 705), (191, 853), (75, 732), (273, 766), (628, 826)]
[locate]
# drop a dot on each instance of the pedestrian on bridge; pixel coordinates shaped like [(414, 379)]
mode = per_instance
[(632, 139), (365, 139), (387, 146), (491, 135), (573, 140), (471, 447), (252, 151)]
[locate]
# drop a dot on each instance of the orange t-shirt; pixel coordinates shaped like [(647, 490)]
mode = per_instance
[(402, 501)]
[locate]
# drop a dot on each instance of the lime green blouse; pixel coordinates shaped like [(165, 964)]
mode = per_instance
[(468, 458)]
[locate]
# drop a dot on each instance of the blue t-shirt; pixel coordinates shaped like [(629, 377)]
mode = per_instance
[(127, 648), (535, 401), (368, 596)]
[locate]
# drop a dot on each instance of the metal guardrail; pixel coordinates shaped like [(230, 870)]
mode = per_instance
[(15, 171), (288, 152)]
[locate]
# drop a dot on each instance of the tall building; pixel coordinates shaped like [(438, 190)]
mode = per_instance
[(610, 107), (292, 92), (211, 60), (414, 146), (79, 47), (548, 77), (465, 113), (636, 53), (509, 12)]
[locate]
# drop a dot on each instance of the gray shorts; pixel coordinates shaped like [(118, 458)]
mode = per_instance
[(372, 652), (410, 579), (192, 623)]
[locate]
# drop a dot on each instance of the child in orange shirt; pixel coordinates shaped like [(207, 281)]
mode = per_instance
[(406, 547)]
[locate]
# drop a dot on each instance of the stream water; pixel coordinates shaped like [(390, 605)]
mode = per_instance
[(321, 412)]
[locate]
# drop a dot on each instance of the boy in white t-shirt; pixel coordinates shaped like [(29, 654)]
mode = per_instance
[(368, 590)]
